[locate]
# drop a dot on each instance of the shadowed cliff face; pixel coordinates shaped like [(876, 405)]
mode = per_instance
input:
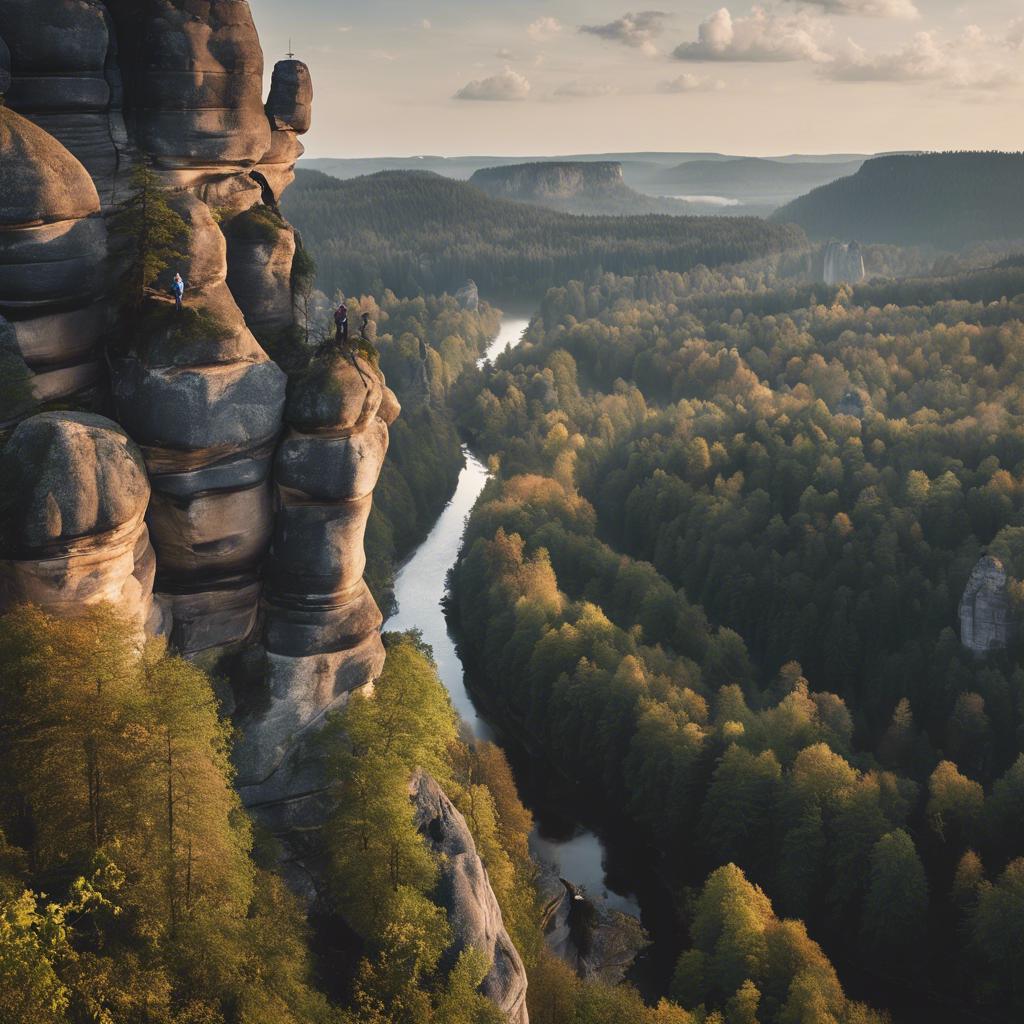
[(549, 180)]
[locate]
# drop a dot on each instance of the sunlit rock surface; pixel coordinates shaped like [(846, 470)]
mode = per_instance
[(466, 895), (73, 517), (986, 622)]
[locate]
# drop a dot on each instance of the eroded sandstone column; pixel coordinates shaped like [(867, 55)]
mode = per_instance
[(52, 259), (322, 627), (72, 521), (204, 401)]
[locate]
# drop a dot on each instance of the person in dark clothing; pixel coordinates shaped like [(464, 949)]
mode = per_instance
[(341, 323)]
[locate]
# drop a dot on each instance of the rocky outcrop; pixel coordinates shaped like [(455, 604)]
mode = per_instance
[(465, 893), (73, 519), (205, 402), (986, 622), (193, 74), (52, 261), (468, 296), (843, 263), (321, 633), (596, 941), (66, 80), (541, 181), (290, 111)]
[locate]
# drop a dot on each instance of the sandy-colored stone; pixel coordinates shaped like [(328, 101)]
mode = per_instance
[(464, 890)]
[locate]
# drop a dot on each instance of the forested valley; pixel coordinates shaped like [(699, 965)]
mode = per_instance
[(718, 576), (419, 233)]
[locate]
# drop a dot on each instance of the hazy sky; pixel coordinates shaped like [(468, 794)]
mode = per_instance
[(448, 77)]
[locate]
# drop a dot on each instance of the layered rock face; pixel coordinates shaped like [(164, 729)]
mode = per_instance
[(322, 627), (205, 403), (52, 259), (73, 520), (66, 80), (543, 181), (465, 893), (843, 263), (986, 622)]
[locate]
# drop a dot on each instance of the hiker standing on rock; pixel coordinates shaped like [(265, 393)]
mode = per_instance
[(341, 323), (178, 291)]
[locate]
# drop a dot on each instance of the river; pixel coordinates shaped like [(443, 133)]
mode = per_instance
[(575, 853)]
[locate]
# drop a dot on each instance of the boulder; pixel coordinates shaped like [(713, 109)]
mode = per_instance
[(290, 104), (73, 523), (986, 618), (332, 398), (61, 53), (465, 892), (594, 940), (261, 248)]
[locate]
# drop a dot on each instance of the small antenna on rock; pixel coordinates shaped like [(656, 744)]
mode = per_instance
[(290, 55)]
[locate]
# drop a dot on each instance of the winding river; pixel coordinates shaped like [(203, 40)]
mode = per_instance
[(575, 853)]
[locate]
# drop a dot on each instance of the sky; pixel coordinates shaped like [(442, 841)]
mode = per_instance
[(496, 77)]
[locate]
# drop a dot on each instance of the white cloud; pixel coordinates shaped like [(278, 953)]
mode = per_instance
[(635, 30), (509, 85), (867, 8), (924, 59), (505, 54), (585, 90), (1015, 34), (688, 82), (761, 36), (544, 28), (426, 24)]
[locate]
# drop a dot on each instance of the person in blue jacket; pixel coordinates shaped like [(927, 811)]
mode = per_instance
[(178, 291)]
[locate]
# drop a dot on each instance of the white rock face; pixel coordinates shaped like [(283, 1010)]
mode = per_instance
[(985, 618), (467, 896), (844, 263)]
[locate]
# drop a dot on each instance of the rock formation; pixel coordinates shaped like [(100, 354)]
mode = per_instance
[(596, 941), (843, 263), (52, 257), (66, 80), (469, 296), (290, 110), (986, 622), (322, 627), (465, 893), (73, 519)]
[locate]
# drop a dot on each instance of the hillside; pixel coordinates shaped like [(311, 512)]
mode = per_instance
[(944, 199), (593, 188), (419, 232), (754, 180)]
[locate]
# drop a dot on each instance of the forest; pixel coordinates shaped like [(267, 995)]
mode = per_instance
[(941, 199), (717, 577), (418, 233)]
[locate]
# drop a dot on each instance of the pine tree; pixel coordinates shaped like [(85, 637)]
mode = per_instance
[(152, 234)]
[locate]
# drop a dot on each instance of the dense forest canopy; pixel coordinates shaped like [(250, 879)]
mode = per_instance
[(943, 199), (416, 232), (718, 577)]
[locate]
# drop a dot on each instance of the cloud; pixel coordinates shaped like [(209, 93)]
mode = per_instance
[(505, 54), (585, 90), (509, 85), (761, 36), (426, 24), (924, 59), (635, 30), (688, 82), (544, 28), (867, 8), (1015, 34)]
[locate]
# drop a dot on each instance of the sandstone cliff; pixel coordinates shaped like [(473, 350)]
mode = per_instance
[(986, 622), (842, 263), (595, 188)]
